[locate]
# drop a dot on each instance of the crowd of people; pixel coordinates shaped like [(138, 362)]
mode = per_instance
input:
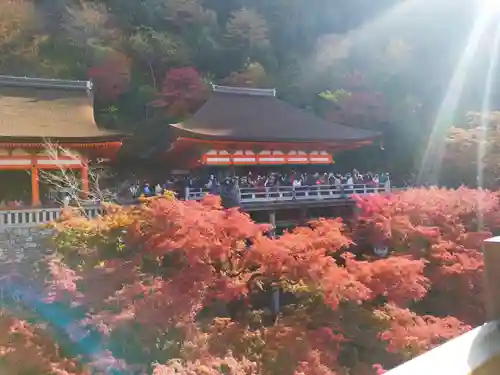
[(312, 179), (220, 182), (271, 179)]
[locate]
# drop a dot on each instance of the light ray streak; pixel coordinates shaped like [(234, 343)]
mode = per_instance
[(433, 156)]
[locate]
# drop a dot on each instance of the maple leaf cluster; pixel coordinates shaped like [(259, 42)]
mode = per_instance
[(111, 76), (193, 288), (181, 92), (28, 349), (441, 227)]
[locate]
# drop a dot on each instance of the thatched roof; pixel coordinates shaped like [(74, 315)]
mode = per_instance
[(32, 108)]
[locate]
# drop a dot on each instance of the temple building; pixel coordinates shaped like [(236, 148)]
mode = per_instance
[(48, 125), (249, 127)]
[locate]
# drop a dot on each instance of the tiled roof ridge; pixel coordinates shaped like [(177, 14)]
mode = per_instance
[(244, 91), (44, 83)]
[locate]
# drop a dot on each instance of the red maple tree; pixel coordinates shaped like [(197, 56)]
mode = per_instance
[(209, 285), (111, 77), (28, 349), (182, 91), (445, 229)]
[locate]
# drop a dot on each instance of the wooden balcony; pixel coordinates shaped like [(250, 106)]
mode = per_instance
[(251, 199)]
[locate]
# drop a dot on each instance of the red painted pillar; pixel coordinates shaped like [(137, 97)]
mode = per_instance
[(85, 178), (35, 189)]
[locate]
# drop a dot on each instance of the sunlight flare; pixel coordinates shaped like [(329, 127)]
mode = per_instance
[(433, 157), (486, 105), (492, 5), (485, 111)]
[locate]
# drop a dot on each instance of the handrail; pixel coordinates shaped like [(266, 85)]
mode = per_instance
[(33, 217), (292, 193)]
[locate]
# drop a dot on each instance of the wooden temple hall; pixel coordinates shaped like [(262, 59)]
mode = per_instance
[(47, 126), (250, 127)]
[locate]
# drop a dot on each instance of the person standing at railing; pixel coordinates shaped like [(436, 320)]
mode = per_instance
[(350, 181), (368, 179), (323, 180), (134, 191), (146, 190), (158, 189), (229, 194), (385, 180), (211, 183), (382, 178), (337, 181)]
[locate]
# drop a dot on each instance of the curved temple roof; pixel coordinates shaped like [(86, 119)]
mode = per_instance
[(243, 114), (32, 108)]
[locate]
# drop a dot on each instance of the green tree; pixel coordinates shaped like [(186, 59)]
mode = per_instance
[(473, 151), (247, 37), (20, 36), (155, 51), (254, 75)]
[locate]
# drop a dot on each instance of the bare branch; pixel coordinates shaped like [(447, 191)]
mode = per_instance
[(66, 179)]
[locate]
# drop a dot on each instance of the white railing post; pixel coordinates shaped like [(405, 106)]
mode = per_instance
[(492, 278), (186, 193), (238, 191)]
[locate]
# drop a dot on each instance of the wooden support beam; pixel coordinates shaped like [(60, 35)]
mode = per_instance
[(272, 220)]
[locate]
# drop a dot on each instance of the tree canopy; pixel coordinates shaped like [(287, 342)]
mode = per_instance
[(178, 287), (473, 150)]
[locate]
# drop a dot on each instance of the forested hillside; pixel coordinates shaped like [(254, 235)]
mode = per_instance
[(379, 64)]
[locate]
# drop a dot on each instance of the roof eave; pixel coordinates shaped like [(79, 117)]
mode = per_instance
[(13, 81), (89, 139), (203, 136)]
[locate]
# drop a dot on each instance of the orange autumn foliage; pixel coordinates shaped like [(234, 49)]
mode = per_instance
[(222, 297), (28, 349), (445, 228)]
